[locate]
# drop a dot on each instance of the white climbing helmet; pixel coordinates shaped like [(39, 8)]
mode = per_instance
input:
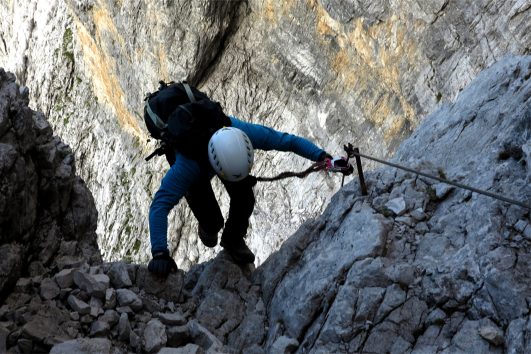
[(231, 154)]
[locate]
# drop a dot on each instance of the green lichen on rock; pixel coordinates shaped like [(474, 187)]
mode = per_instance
[(68, 52)]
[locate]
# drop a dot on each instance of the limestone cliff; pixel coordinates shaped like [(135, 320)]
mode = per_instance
[(333, 71), (416, 266)]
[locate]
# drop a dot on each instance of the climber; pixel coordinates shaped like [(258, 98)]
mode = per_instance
[(230, 155)]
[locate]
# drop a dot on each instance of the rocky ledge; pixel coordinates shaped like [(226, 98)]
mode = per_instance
[(47, 214)]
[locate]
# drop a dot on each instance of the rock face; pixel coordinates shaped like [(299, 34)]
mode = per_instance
[(333, 71), (414, 267), (47, 215), (446, 274)]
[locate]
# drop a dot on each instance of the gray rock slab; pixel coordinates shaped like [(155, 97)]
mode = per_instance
[(177, 335), (124, 328), (397, 205), (284, 345), (135, 341), (83, 346), (442, 190), (44, 329), (4, 332), (96, 307), (169, 288), (361, 234), (171, 318), (127, 297), (110, 316), (187, 349), (491, 332), (203, 337), (49, 289), (78, 305), (154, 337), (65, 278), (99, 329), (90, 283), (110, 298), (119, 275)]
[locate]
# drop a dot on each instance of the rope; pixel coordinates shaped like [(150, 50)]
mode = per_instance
[(457, 184), (318, 166)]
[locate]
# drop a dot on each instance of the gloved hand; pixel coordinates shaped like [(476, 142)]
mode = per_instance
[(324, 155), (339, 164), (162, 264)]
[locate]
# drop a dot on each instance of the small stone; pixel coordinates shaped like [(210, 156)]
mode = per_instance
[(204, 337), (37, 280), (442, 190), (492, 333), (4, 333), (96, 307), (187, 349), (124, 328), (172, 319), (128, 298), (405, 220), (284, 345), (422, 228), (125, 309), (110, 298), (83, 345), (119, 275), (74, 316), (150, 305), (436, 317), (520, 225), (177, 335), (418, 214), (397, 205), (527, 232), (65, 278), (144, 317), (103, 279), (86, 319), (23, 285), (25, 345), (135, 341), (154, 336), (49, 289), (99, 329), (91, 283), (170, 306), (110, 316), (78, 305)]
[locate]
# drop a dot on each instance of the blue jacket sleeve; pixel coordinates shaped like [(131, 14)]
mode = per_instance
[(265, 138), (174, 186)]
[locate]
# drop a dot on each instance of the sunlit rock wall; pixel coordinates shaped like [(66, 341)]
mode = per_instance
[(332, 71)]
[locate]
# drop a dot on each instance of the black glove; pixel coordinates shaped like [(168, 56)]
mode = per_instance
[(340, 164), (162, 264)]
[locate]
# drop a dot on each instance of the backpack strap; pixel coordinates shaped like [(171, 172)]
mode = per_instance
[(188, 91), (159, 123)]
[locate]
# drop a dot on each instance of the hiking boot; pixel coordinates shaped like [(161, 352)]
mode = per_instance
[(238, 250), (209, 240)]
